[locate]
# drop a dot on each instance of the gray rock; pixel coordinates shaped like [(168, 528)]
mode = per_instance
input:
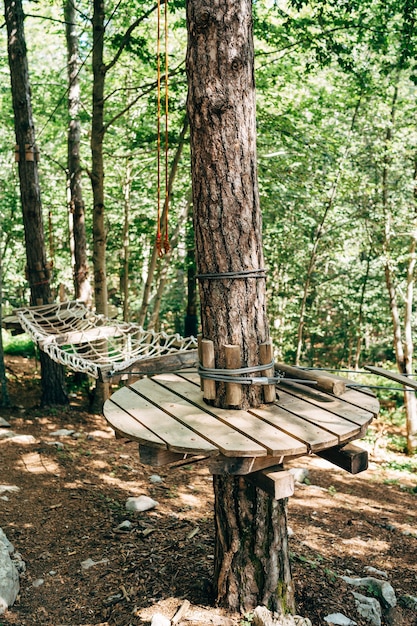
[(140, 504), (6, 542), (7, 434), (56, 444), (22, 439), (8, 489), (263, 617), (63, 432), (88, 563), (368, 608), (381, 589), (4, 423), (338, 619), (38, 582), (300, 474), (125, 525), (9, 576), (376, 572), (155, 479), (408, 602)]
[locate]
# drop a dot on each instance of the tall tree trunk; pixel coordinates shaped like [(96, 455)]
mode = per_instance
[(38, 269), (82, 287), (97, 163), (410, 401), (4, 392), (221, 107), (403, 347), (154, 256), (319, 233), (359, 324), (191, 317), (163, 277), (127, 186)]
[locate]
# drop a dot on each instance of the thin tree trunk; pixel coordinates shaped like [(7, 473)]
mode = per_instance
[(359, 337), (97, 162), (163, 277), (252, 557), (154, 256), (38, 269), (317, 239), (126, 247), (78, 240), (410, 401), (4, 396), (191, 317)]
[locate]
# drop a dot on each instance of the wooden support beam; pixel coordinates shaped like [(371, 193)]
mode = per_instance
[(240, 466), (153, 365), (158, 457), (324, 382), (275, 481), (398, 378), (349, 457)]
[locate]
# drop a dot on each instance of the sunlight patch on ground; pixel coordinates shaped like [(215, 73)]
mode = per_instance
[(35, 463)]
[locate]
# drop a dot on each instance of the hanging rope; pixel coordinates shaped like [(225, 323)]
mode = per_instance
[(162, 246)]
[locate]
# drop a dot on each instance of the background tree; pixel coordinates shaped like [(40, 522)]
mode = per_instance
[(38, 269), (76, 207)]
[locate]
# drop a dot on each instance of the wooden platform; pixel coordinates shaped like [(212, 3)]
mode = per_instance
[(168, 417)]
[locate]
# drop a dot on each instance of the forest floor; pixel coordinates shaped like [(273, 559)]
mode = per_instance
[(70, 502)]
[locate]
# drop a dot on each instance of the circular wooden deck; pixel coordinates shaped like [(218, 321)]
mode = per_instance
[(167, 412)]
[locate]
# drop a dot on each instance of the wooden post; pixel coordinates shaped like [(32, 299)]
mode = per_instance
[(265, 356), (207, 359), (233, 390)]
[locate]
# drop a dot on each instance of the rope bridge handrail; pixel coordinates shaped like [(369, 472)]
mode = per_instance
[(73, 335)]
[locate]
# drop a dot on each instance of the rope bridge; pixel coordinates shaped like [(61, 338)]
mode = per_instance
[(73, 335)]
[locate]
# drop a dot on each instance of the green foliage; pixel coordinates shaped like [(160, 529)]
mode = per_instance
[(20, 345)]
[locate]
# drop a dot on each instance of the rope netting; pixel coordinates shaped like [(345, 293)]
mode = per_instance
[(73, 335)]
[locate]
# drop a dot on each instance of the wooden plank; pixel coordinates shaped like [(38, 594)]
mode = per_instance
[(165, 363), (221, 435), (350, 458), (325, 382), (127, 426), (240, 466), (158, 457), (275, 481), (334, 404), (396, 376), (342, 428), (177, 437), (312, 436), (85, 336), (274, 440), (363, 400)]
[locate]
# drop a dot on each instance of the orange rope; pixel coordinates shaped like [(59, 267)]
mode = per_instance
[(162, 246)]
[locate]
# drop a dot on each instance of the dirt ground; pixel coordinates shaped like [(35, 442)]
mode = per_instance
[(70, 502)]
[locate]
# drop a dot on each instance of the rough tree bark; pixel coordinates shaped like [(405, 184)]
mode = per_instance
[(97, 162), (82, 286), (4, 392), (252, 560), (38, 269)]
